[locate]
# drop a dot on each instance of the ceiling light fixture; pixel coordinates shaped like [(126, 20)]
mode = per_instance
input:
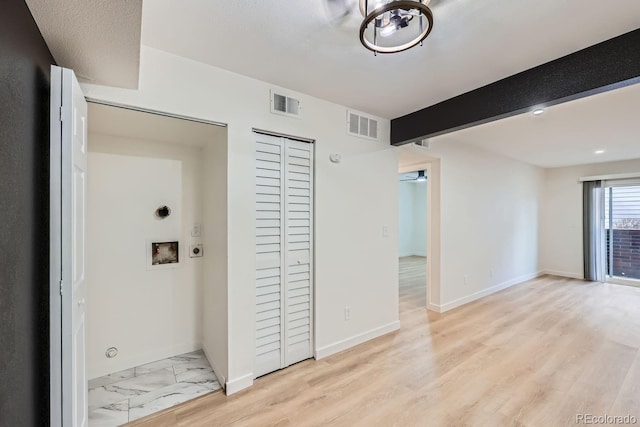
[(538, 111), (422, 177), (391, 26), (599, 151)]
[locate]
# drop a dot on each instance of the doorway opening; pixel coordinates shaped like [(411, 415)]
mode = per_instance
[(153, 200), (412, 159), (412, 239)]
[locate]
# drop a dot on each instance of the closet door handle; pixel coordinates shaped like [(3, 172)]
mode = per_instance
[(299, 261), (81, 302)]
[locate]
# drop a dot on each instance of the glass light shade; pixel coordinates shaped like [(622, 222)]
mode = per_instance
[(394, 25)]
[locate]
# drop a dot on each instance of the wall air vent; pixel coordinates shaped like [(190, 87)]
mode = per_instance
[(359, 125), (285, 105)]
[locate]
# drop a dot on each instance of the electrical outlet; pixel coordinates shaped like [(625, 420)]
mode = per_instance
[(196, 230), (347, 313), (491, 273), (466, 279), (195, 251), (385, 231)]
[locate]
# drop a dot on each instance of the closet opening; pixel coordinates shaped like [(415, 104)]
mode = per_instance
[(156, 216)]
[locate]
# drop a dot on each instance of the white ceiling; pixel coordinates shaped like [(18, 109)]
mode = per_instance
[(295, 44), (133, 124), (566, 134), (98, 39), (300, 46)]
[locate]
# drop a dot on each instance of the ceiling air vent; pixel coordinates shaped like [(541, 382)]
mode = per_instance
[(362, 126), (285, 105)]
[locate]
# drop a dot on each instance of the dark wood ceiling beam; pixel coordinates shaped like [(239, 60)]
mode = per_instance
[(605, 66)]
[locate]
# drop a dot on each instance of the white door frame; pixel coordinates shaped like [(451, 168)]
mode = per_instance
[(156, 112), (55, 251), (432, 168)]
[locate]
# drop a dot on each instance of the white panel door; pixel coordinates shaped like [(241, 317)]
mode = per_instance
[(74, 186), (284, 224)]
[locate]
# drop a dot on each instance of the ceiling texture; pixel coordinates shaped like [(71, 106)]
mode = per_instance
[(312, 46), (305, 46), (98, 39)]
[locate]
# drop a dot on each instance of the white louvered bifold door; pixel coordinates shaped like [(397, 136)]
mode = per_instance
[(283, 252), (298, 225)]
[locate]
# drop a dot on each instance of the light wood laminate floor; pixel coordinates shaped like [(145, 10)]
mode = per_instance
[(535, 354), (413, 283)]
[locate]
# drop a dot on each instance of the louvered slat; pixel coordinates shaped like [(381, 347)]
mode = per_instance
[(298, 311), (267, 281)]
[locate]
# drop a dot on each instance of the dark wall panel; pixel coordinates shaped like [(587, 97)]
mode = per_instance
[(24, 211)]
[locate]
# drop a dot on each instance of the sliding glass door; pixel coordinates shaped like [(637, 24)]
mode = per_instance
[(622, 231)]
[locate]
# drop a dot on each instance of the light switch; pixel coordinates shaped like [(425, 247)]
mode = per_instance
[(385, 231), (196, 230)]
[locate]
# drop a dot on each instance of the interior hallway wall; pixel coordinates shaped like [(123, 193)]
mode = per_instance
[(412, 218), (147, 314), (215, 337), (490, 207)]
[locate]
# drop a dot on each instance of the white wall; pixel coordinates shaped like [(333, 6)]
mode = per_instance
[(412, 218), (356, 265), (405, 219), (561, 219), (215, 339), (420, 219), (147, 315), (489, 208)]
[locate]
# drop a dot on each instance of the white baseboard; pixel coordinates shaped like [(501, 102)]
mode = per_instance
[(120, 363), (485, 292), (238, 384), (579, 276), (339, 346), (222, 379), (433, 307)]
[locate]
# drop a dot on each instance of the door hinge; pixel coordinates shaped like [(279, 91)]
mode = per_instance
[(61, 113), (61, 282)]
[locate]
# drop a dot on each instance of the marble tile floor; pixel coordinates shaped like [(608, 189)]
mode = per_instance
[(134, 393)]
